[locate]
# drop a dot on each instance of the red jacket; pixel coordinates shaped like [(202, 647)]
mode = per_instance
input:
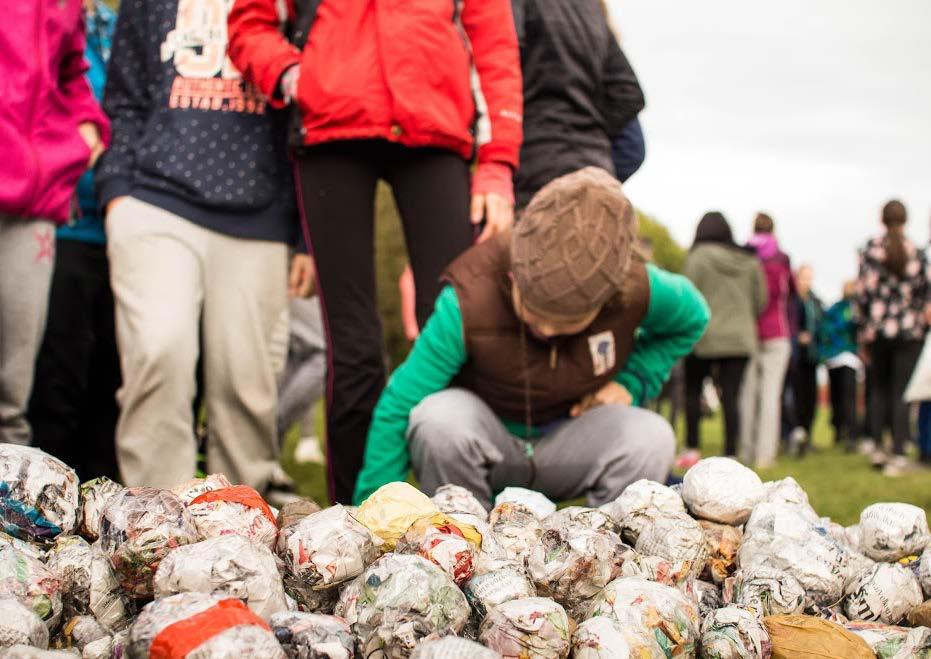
[(400, 70)]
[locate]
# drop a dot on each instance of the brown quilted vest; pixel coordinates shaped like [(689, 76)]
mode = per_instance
[(504, 370)]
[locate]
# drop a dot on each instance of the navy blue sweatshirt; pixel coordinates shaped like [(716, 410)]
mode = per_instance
[(189, 136)]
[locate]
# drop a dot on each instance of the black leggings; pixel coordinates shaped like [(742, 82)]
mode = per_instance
[(891, 364), (728, 373), (804, 381), (843, 401), (337, 183)]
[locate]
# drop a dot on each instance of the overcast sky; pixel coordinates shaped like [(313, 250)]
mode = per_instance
[(817, 111)]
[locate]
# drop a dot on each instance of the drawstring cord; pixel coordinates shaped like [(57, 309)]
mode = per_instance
[(528, 420)]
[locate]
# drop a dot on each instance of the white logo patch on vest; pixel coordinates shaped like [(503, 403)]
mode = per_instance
[(602, 348)]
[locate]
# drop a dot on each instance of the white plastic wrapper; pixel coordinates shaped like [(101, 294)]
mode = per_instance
[(605, 638), (537, 502), (31, 549), (492, 553), (890, 531), (94, 496), (517, 529), (708, 596), (192, 489), (722, 544), (853, 537), (456, 499), (490, 589), (235, 510), (88, 584), (445, 546), (734, 633), (678, 574), (767, 591), (674, 538), (924, 573), (666, 612), (32, 584), (38, 494), (28, 652), (399, 600), (452, 647), (593, 518), (831, 614), (721, 490), (313, 636), (886, 594), (138, 528), (83, 631), (890, 642), (640, 505), (222, 629), (532, 627), (786, 490), (324, 550), (226, 566), (20, 625)]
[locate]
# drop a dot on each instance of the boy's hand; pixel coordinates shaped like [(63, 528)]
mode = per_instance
[(91, 136), (496, 210), (302, 279), (609, 394)]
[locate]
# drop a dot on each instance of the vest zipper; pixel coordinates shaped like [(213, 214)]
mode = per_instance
[(554, 357)]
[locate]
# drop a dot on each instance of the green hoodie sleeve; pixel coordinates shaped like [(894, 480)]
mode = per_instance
[(436, 358), (675, 321)]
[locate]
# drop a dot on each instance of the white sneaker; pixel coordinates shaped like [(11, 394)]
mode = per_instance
[(308, 451), (796, 441), (897, 465), (867, 447)]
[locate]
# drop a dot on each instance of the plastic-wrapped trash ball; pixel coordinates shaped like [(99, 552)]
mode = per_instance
[(193, 488), (605, 638), (665, 611), (452, 647), (766, 590), (490, 589), (391, 509), (139, 526), (240, 510), (531, 627), (516, 528), (38, 494), (640, 505), (675, 538), (678, 574), (722, 543), (87, 635), (313, 636), (324, 550), (786, 490), (445, 545), (924, 573), (734, 633), (28, 652), (708, 597), (885, 593), (541, 506), (31, 549), (399, 600), (455, 499), (20, 625), (294, 511), (29, 581), (200, 625), (491, 552), (226, 566), (593, 518), (890, 642), (94, 496), (721, 490), (890, 531), (88, 584)]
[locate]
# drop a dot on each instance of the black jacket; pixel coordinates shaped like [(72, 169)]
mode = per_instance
[(579, 90)]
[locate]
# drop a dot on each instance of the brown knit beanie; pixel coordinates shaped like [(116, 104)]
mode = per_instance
[(573, 244)]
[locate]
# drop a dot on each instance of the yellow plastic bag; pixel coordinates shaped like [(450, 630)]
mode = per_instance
[(392, 508), (807, 637)]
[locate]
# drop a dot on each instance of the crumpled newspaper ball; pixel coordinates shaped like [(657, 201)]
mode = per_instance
[(708, 596), (235, 510), (452, 647), (786, 490), (200, 625), (491, 553), (38, 494), (193, 488), (32, 584), (392, 508), (592, 518), (87, 635), (574, 563), (665, 611), (885, 593), (516, 528), (88, 584), (605, 638), (734, 633), (531, 627), (541, 506), (721, 490), (641, 504), (490, 589), (456, 499), (445, 545), (138, 528), (722, 544), (294, 511), (313, 636), (890, 531), (20, 625), (675, 538), (399, 600), (322, 551), (766, 590), (94, 496), (889, 642), (678, 574), (225, 566)]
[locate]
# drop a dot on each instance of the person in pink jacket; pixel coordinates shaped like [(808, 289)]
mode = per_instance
[(51, 131)]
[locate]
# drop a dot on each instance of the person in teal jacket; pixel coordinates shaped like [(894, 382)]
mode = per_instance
[(541, 350), (837, 347)]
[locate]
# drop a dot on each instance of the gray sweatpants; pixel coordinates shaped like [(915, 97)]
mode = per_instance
[(761, 403), (27, 258), (455, 437), (172, 280), (303, 381)]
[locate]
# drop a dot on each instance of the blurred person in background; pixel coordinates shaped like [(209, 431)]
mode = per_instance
[(51, 131), (761, 397), (891, 310), (731, 279), (838, 348), (803, 367)]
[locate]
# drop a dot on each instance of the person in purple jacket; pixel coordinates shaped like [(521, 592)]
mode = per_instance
[(761, 398), (52, 130)]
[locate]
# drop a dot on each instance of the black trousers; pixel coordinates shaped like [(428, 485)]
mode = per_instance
[(891, 364), (337, 182), (805, 393), (843, 380), (728, 373), (73, 409)]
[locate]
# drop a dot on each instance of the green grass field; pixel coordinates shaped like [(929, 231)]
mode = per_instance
[(839, 485)]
